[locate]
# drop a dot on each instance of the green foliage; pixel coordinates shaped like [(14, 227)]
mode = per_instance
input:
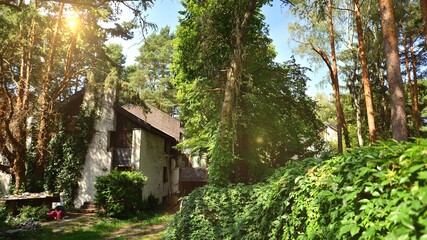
[(32, 213), (68, 154), (4, 215), (149, 81), (211, 212), (120, 193), (274, 118), (151, 203), (375, 192)]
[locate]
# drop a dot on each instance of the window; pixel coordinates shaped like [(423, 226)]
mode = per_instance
[(165, 174), (167, 147)]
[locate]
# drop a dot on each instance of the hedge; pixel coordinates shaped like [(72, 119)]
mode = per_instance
[(119, 193), (374, 192)]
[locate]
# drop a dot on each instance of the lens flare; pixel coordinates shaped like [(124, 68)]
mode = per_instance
[(73, 22)]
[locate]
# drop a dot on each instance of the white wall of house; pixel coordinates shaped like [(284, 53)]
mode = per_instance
[(98, 163), (152, 162), (4, 183), (198, 161), (136, 149), (98, 158), (175, 175), (330, 135)]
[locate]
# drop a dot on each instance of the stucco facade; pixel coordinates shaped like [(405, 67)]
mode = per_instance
[(154, 163), (126, 141), (4, 183), (98, 158)]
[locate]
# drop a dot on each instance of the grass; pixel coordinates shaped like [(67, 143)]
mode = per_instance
[(91, 227)]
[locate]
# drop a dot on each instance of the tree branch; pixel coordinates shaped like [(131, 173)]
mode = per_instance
[(11, 5), (248, 16), (5, 169), (215, 89), (343, 9), (88, 4)]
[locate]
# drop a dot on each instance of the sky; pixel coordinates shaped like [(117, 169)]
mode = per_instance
[(166, 13)]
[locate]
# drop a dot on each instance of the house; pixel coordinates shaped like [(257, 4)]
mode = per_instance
[(329, 134), (136, 138), (133, 138), (5, 180)]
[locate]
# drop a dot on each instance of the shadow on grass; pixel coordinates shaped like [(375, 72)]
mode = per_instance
[(95, 227), (74, 235)]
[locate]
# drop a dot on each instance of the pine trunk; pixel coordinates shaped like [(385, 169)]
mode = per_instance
[(365, 74), (410, 85), (394, 77), (46, 106), (423, 4), (354, 91), (335, 84), (414, 97)]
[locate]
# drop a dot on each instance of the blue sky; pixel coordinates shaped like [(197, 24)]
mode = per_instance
[(165, 13)]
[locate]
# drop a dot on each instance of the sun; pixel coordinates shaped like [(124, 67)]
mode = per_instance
[(73, 22)]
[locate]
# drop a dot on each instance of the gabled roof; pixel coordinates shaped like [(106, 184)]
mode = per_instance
[(157, 119), (153, 120), (189, 174)]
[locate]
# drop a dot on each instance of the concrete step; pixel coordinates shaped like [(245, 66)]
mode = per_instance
[(89, 210), (88, 207)]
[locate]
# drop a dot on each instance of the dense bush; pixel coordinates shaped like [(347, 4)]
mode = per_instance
[(3, 216), (371, 193), (29, 213), (119, 193)]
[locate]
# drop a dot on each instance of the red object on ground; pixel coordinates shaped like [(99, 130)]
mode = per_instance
[(56, 214)]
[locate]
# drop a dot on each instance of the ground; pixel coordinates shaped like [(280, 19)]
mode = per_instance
[(89, 226)]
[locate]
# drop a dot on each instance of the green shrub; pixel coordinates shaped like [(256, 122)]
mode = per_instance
[(150, 203), (119, 193), (4, 215), (375, 192), (32, 213)]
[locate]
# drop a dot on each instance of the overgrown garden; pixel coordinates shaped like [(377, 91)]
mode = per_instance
[(249, 114), (375, 192)]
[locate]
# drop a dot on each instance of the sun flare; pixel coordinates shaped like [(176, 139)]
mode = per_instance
[(73, 22)]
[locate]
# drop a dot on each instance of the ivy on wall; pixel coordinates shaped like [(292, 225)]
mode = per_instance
[(68, 153)]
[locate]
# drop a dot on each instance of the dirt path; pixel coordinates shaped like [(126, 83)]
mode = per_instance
[(71, 221), (136, 232)]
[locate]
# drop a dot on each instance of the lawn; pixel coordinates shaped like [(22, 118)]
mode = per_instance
[(91, 227)]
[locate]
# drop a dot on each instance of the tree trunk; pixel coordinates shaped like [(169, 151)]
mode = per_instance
[(365, 74), (423, 4), (394, 77), (15, 123), (410, 85), (222, 164), (354, 91), (335, 83), (46, 106), (414, 98)]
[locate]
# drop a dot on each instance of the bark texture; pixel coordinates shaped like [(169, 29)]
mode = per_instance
[(221, 161), (365, 74), (394, 77), (423, 4), (46, 105)]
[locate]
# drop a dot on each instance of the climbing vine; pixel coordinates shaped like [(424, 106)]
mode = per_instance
[(68, 153)]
